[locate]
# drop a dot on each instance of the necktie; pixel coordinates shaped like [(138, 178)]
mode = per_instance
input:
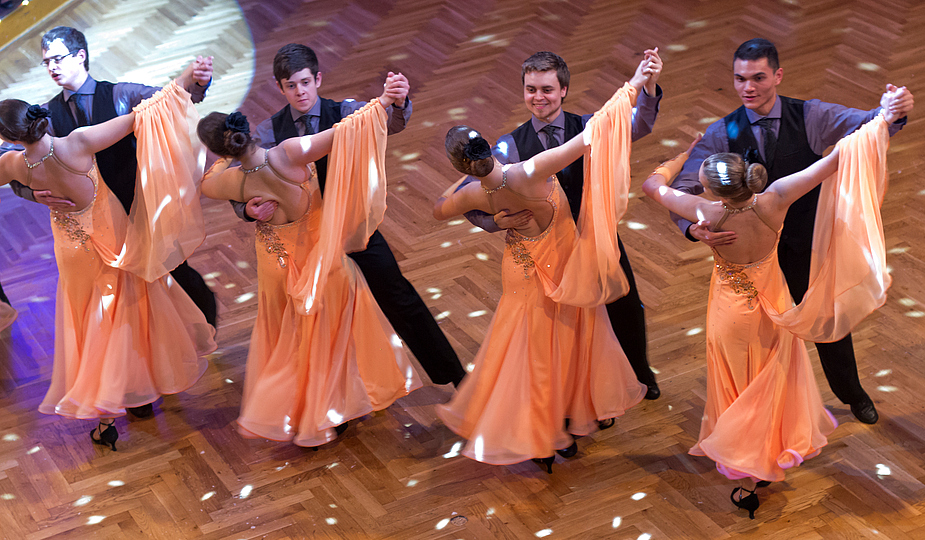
[(770, 140), (550, 132), (80, 112), (305, 125)]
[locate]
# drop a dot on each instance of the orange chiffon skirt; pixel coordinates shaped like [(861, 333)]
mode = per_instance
[(541, 361), (764, 413), (307, 374), (120, 341)]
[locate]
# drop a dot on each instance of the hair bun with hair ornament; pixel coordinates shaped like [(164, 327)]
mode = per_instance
[(237, 122), (477, 149), (34, 112)]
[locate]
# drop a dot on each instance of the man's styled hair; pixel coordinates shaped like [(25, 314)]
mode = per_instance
[(293, 58), (546, 61), (73, 39), (756, 49)]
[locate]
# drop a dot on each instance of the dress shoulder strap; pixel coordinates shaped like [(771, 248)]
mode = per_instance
[(763, 220), (728, 211)]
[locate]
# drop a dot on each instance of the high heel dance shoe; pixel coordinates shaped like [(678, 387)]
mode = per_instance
[(749, 502), (547, 461), (108, 436)]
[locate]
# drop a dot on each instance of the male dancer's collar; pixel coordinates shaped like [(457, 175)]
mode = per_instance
[(775, 112), (315, 110), (88, 87), (538, 124)]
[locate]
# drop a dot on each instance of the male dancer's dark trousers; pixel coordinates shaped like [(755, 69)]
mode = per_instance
[(193, 284), (627, 316), (837, 359), (407, 313)]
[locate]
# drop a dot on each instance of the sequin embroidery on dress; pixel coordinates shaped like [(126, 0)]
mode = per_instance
[(515, 240), (736, 277), (70, 226)]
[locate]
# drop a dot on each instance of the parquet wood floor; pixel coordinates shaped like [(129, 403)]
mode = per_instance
[(186, 473)]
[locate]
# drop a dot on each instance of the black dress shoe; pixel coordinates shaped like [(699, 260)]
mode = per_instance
[(653, 392), (568, 452), (141, 412), (865, 411)]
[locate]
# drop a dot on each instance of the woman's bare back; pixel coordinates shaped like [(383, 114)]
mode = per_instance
[(755, 236), (64, 174), (281, 183)]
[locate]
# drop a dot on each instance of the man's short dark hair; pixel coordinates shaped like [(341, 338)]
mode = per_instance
[(73, 39), (293, 58), (756, 49), (546, 61)]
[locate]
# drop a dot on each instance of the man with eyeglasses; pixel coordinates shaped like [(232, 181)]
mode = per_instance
[(86, 101)]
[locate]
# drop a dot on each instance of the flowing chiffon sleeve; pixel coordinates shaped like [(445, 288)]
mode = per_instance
[(354, 199), (593, 276), (165, 223), (848, 276)]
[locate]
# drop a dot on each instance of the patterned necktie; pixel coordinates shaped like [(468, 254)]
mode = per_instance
[(80, 112), (305, 125), (550, 132), (770, 140)]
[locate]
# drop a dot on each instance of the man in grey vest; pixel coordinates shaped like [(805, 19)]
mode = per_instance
[(295, 68), (787, 135)]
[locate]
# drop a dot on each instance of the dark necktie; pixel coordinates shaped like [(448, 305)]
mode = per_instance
[(770, 140), (550, 132), (80, 112), (304, 124)]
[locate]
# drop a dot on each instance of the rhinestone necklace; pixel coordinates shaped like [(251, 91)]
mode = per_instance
[(51, 152)]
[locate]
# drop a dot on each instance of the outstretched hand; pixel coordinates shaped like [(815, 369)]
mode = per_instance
[(896, 103), (395, 90), (199, 71), (654, 69), (647, 72), (701, 231)]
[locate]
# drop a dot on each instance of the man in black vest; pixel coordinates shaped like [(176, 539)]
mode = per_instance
[(295, 68), (787, 135), (545, 77), (85, 101)]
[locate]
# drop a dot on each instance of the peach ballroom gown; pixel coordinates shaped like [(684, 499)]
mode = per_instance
[(764, 413), (121, 340), (321, 350), (550, 352)]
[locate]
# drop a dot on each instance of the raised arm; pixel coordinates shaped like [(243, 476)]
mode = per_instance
[(790, 188), (8, 162), (656, 187), (92, 139), (458, 200), (896, 104), (219, 182), (308, 149), (548, 162)]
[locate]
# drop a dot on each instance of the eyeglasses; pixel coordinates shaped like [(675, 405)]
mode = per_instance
[(57, 59)]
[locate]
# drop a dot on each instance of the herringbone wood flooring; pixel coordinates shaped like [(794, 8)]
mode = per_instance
[(187, 474)]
